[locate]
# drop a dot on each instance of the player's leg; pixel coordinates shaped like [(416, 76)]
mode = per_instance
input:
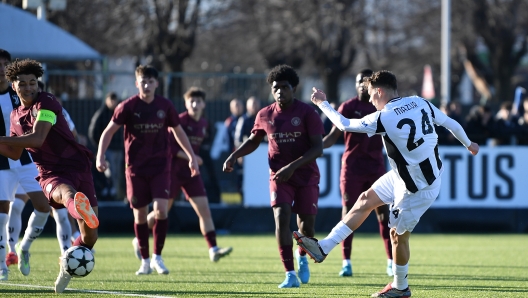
[(195, 193), (382, 214), (15, 224), (75, 192), (35, 226), (4, 217), (282, 195), (405, 214), (159, 233), (200, 205), (63, 228), (305, 205), (351, 188), (353, 219)]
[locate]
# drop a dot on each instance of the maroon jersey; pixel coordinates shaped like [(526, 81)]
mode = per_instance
[(289, 134), (146, 134), (59, 151), (362, 154), (196, 131)]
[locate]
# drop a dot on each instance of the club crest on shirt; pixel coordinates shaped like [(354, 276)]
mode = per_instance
[(296, 121), (161, 114)]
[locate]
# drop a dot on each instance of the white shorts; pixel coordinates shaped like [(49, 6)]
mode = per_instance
[(406, 207), (20, 178)]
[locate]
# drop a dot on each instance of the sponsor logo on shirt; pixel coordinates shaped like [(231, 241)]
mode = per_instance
[(149, 127), (296, 121), (284, 137)]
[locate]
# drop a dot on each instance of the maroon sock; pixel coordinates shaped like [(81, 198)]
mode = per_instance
[(142, 235), (159, 230), (346, 246), (385, 235), (70, 204), (79, 242), (286, 253), (210, 238)]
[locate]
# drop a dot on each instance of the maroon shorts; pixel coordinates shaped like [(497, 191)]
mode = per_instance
[(191, 186), (141, 190), (303, 198), (81, 182), (353, 186)]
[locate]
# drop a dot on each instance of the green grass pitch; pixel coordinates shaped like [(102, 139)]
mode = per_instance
[(442, 265)]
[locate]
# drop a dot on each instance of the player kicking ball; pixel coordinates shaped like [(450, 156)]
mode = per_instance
[(406, 125), (64, 165)]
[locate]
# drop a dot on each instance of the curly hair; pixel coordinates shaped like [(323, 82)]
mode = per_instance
[(382, 78), (283, 73), (23, 67), (194, 92)]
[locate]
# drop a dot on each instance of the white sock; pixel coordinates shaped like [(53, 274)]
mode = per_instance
[(292, 272), (14, 226), (4, 217), (63, 228), (400, 276), (346, 263), (156, 257), (75, 235), (145, 261), (339, 233), (36, 224)]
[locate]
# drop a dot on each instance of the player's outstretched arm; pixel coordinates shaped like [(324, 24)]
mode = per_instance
[(104, 142), (249, 145), (458, 131)]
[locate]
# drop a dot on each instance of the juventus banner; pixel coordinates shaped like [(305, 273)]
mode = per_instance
[(496, 178)]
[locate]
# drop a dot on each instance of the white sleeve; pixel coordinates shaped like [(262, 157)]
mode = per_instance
[(71, 125), (367, 124), (456, 129)]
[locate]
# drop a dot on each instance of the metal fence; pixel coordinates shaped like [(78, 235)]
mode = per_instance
[(82, 93)]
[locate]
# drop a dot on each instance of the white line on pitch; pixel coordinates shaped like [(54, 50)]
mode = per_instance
[(85, 291)]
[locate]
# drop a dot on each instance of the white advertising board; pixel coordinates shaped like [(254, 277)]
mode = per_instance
[(496, 178)]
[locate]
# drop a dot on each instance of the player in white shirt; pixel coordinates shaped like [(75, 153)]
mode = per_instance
[(411, 143)]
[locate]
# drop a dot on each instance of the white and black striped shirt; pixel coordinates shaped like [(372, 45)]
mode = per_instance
[(8, 101), (409, 136)]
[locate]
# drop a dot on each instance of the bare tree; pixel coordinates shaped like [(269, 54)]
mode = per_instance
[(502, 27)]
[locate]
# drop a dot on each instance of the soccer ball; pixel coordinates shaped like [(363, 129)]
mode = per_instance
[(80, 261)]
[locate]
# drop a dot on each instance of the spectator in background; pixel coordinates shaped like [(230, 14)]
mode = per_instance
[(479, 124), (294, 131), (521, 132), (114, 154), (237, 109), (503, 126), (242, 132), (454, 110)]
